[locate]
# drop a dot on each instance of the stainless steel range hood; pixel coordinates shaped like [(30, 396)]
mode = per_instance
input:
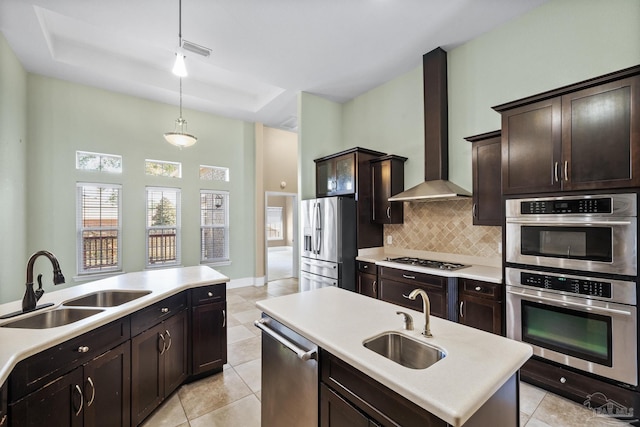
[(436, 136)]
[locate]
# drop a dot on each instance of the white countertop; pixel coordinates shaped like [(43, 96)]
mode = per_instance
[(18, 344), (476, 366), (476, 270)]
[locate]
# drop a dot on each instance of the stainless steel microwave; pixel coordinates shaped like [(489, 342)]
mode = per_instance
[(596, 233)]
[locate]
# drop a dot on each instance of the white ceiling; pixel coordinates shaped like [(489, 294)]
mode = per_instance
[(264, 51)]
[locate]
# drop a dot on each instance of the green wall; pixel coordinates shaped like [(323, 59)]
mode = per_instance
[(558, 43), (13, 174)]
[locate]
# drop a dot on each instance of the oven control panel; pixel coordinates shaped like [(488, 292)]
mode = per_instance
[(568, 206), (567, 284)]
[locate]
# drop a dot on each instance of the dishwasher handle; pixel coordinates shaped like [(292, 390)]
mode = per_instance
[(302, 355)]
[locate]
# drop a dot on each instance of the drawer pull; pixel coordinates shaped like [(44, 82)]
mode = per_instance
[(406, 276), (93, 391), (209, 294), (365, 266), (563, 380), (478, 288), (374, 286), (81, 399), (83, 349), (164, 310), (224, 318), (3, 420), (461, 308)]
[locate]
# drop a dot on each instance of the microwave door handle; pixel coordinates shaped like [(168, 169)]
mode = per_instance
[(565, 223), (573, 304)]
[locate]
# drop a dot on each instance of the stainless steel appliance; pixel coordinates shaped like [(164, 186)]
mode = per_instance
[(329, 243), (593, 233), (428, 263), (289, 376), (579, 321)]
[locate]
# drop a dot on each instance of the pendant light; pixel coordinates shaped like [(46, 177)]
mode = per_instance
[(179, 67), (179, 137)]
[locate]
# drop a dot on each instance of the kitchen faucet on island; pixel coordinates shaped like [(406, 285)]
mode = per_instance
[(426, 308), (31, 297)]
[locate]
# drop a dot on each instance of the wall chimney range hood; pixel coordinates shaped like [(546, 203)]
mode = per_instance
[(436, 136)]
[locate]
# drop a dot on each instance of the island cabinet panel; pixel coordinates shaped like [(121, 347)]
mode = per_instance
[(487, 188), (367, 283), (4, 418), (395, 283), (480, 305), (584, 136), (208, 330), (355, 392)]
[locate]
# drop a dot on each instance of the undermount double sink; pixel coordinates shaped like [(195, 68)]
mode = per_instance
[(65, 315), (405, 350)]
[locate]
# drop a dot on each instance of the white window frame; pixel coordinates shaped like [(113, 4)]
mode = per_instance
[(81, 229), (224, 170), (101, 160), (163, 163), (150, 228), (226, 259), (280, 210)]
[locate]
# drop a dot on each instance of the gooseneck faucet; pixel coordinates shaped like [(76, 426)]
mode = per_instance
[(31, 297), (426, 307)]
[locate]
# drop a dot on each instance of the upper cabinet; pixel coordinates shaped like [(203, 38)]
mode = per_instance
[(336, 176), (584, 136), (387, 179), (485, 167)]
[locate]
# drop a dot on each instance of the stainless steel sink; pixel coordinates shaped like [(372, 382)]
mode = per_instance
[(108, 298), (53, 318), (405, 350)]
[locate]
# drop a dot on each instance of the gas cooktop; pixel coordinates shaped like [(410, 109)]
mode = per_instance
[(419, 262)]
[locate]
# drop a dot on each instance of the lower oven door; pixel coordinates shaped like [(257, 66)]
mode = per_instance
[(591, 335)]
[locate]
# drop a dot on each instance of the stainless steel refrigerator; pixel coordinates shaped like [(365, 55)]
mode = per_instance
[(329, 243)]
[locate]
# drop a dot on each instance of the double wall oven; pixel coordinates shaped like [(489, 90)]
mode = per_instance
[(571, 281)]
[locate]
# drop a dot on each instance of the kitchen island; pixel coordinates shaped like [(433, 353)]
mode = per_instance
[(477, 366)]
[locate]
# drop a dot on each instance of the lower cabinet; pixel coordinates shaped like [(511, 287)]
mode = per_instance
[(208, 330), (158, 364), (480, 305), (367, 280), (4, 417), (337, 412), (395, 284)]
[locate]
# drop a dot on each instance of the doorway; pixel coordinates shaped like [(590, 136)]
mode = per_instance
[(281, 231)]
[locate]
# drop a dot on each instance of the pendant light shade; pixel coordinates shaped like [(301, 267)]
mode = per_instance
[(179, 67)]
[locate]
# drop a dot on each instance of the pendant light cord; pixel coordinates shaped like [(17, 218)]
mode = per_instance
[(180, 23), (180, 97)]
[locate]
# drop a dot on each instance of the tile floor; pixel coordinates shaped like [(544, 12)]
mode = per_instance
[(232, 397)]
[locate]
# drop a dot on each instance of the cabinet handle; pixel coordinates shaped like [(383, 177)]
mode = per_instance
[(163, 349), (164, 310), (3, 420), (170, 340), (478, 288), (555, 171), (93, 392), (461, 308), (365, 266), (83, 349), (374, 286), (563, 380), (409, 277), (389, 212), (224, 318), (566, 170), (210, 294), (474, 210), (81, 400)]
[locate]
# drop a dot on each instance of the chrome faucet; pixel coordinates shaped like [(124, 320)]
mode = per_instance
[(426, 308), (31, 297)]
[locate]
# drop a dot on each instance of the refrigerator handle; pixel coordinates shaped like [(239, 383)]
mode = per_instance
[(317, 230)]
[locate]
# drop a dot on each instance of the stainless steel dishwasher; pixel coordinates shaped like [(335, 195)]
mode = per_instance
[(289, 376)]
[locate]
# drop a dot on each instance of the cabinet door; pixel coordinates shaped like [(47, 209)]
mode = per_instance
[(325, 177), (345, 178), (208, 337), (531, 148), (487, 192), (147, 373), (393, 292), (600, 136), (337, 412), (107, 389), (381, 178), (58, 404), (480, 313), (175, 353), (368, 285)]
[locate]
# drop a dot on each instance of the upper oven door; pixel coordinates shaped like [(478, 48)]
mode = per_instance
[(606, 245)]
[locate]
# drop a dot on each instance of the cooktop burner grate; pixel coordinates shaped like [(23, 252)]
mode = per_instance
[(441, 265)]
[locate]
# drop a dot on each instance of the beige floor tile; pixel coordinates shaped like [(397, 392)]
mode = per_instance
[(250, 373), (169, 414), (239, 333), (247, 316), (556, 411), (523, 418), (234, 298), (231, 321), (534, 422), (212, 393), (259, 395), (242, 413), (237, 307), (530, 397), (244, 351)]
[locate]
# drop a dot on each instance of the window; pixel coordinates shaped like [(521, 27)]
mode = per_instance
[(161, 168), (214, 226), (98, 162), (274, 223), (99, 228), (214, 173), (163, 226)]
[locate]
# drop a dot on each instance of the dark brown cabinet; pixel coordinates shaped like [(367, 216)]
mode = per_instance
[(208, 331), (336, 176), (480, 305), (395, 283), (337, 412), (367, 283), (159, 364), (387, 179), (584, 136), (487, 193), (4, 418)]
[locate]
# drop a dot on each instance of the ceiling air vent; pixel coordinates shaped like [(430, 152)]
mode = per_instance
[(196, 48)]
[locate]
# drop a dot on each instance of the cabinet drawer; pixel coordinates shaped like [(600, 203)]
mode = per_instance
[(411, 276), (481, 289), (154, 314), (366, 267), (39, 369), (209, 294)]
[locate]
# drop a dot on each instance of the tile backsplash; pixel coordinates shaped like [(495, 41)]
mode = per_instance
[(443, 226)]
